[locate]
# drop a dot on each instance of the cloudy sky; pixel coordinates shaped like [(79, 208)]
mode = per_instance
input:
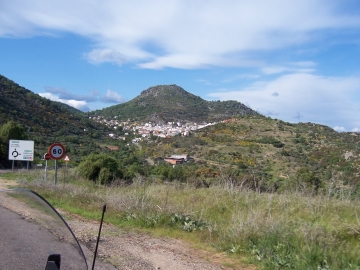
[(297, 60)]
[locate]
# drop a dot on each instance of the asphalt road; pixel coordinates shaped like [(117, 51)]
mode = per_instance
[(25, 245)]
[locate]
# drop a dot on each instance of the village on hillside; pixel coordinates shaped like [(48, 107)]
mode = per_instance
[(144, 130)]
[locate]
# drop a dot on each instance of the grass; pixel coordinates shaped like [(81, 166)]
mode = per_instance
[(273, 231)]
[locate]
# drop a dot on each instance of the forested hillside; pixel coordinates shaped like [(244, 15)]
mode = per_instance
[(47, 121), (36, 113)]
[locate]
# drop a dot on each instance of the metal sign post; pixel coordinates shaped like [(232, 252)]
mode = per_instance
[(56, 151), (67, 160), (45, 176), (46, 157), (55, 175)]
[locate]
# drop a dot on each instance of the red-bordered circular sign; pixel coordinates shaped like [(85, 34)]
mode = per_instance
[(57, 151), (47, 156)]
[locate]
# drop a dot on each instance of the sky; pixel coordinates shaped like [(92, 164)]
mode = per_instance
[(298, 61)]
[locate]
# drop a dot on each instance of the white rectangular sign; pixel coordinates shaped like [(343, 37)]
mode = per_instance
[(21, 150)]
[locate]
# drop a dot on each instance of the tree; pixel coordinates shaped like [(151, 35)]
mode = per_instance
[(99, 168), (308, 177), (9, 131), (176, 173)]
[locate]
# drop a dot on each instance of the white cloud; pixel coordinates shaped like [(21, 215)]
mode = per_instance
[(64, 94), (80, 101), (303, 97), (49, 96), (100, 56), (180, 34), (78, 104), (296, 67), (340, 129), (112, 97), (183, 34)]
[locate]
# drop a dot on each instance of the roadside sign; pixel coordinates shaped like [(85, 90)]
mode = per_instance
[(21, 150), (56, 151), (47, 156), (66, 158)]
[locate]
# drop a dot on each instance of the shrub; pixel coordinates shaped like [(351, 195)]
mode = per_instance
[(99, 167), (271, 140)]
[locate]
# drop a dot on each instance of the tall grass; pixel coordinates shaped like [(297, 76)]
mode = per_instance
[(275, 231)]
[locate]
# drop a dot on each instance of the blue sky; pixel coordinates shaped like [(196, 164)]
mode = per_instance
[(297, 60)]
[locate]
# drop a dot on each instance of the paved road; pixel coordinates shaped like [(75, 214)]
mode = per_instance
[(25, 245)]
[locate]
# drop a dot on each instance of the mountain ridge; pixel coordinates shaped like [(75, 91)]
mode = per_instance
[(171, 103)]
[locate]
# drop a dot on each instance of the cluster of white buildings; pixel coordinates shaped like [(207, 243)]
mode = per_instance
[(144, 130)]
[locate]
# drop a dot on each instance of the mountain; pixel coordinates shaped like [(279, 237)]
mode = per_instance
[(35, 112), (164, 103), (46, 121)]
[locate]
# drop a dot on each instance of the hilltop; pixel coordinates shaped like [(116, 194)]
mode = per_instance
[(171, 103)]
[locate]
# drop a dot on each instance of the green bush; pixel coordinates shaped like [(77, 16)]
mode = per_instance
[(99, 168), (105, 176), (271, 140)]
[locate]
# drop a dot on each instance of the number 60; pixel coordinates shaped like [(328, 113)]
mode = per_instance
[(57, 151)]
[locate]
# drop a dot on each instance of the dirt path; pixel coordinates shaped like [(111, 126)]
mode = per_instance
[(4, 184), (136, 250)]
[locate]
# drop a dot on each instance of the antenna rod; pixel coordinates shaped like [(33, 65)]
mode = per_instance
[(98, 238)]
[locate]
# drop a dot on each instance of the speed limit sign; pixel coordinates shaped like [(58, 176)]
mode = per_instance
[(56, 151)]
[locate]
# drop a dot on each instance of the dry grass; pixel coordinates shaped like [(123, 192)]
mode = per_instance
[(279, 231)]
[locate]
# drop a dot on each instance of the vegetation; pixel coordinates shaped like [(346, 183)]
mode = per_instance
[(285, 196), (267, 155), (273, 231), (99, 168), (7, 132), (164, 103), (46, 122)]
